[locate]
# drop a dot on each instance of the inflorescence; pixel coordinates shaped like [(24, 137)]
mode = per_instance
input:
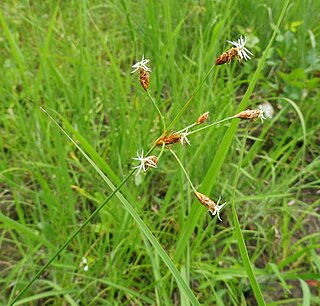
[(167, 139)]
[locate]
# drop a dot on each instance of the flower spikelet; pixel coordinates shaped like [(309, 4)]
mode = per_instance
[(173, 138), (227, 56), (213, 207), (144, 78), (144, 72), (251, 114), (145, 162), (168, 139), (202, 118), (238, 51)]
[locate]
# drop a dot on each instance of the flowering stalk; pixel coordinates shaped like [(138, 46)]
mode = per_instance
[(186, 105), (249, 114), (210, 125), (158, 110), (184, 170), (144, 77), (199, 121), (213, 207)]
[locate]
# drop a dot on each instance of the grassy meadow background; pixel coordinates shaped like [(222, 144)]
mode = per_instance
[(74, 58)]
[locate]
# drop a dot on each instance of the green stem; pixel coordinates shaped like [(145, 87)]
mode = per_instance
[(186, 105), (184, 170), (161, 152), (241, 243), (210, 125), (158, 110), (186, 128)]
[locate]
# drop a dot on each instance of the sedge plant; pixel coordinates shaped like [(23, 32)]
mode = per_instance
[(165, 142)]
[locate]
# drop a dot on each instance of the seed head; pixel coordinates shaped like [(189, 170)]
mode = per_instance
[(168, 139), (145, 162), (213, 207), (173, 138), (144, 78), (238, 51), (202, 118), (251, 114), (144, 72), (227, 56)]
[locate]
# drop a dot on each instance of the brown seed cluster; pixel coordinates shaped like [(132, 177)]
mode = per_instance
[(228, 56), (250, 114), (144, 78), (168, 139), (151, 162), (202, 118), (207, 202)]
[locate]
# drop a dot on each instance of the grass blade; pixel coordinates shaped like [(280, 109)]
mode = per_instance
[(143, 227), (242, 246)]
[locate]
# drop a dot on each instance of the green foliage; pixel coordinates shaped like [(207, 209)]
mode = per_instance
[(153, 244)]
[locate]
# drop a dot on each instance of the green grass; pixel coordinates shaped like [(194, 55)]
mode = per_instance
[(152, 243)]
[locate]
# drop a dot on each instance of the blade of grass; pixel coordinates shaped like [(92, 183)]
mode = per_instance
[(306, 293), (143, 227), (17, 54), (20, 228), (242, 246)]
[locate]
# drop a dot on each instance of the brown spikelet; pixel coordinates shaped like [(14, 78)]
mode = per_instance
[(228, 56), (202, 118), (151, 161), (250, 114), (207, 202), (168, 139), (213, 207), (144, 78)]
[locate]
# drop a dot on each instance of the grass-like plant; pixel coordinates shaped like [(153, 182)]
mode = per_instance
[(165, 153)]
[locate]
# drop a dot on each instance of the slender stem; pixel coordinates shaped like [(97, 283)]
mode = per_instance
[(239, 236), (186, 105), (184, 170), (161, 152), (186, 128), (210, 125), (151, 149), (65, 245), (158, 110)]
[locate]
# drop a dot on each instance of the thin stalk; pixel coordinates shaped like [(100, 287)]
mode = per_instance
[(186, 105), (211, 125), (188, 127), (184, 170), (161, 152), (158, 110)]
